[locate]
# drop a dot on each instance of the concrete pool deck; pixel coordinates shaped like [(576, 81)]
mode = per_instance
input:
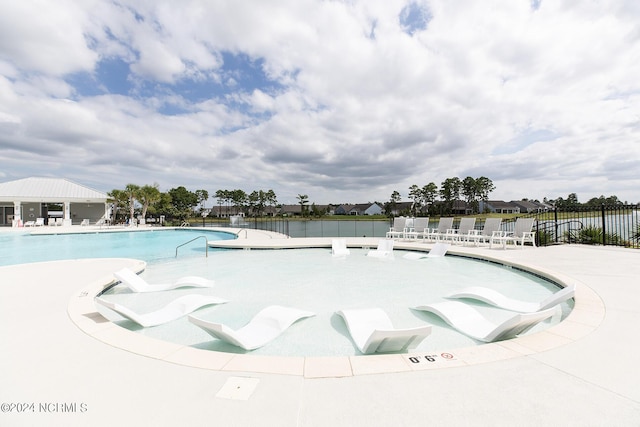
[(581, 372)]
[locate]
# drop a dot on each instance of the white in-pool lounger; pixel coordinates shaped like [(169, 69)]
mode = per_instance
[(492, 297), (439, 250), (373, 332), (174, 310), (470, 322), (384, 249), (265, 326), (339, 247), (138, 284)]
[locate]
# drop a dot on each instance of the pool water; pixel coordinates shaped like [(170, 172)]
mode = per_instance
[(155, 245), (311, 279)]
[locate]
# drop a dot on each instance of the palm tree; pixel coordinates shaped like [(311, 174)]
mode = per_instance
[(119, 199), (131, 190), (148, 195), (303, 200)]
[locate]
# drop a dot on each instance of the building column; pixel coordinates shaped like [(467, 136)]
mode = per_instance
[(17, 215), (67, 213)]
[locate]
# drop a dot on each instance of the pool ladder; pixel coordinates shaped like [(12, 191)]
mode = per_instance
[(206, 245)]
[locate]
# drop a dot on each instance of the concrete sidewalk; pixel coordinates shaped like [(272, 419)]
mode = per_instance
[(54, 373)]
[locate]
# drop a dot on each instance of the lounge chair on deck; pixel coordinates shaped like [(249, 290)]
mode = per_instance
[(521, 233), (398, 229), (437, 251), (372, 331), (174, 310), (30, 224), (419, 230), (497, 299), (490, 227), (470, 322), (339, 247), (138, 284), (444, 225), (467, 226), (39, 222), (267, 325), (59, 221), (84, 222), (384, 249)]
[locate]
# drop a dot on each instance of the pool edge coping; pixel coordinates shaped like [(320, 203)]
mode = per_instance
[(587, 314)]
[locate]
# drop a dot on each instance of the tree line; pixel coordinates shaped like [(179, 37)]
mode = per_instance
[(176, 203), (425, 198), (572, 202), (180, 203)]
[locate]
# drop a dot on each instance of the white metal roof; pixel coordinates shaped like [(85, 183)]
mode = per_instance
[(48, 190)]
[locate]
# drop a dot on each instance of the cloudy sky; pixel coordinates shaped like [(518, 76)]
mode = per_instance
[(345, 101)]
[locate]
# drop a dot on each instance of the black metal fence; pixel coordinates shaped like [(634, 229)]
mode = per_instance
[(604, 225)]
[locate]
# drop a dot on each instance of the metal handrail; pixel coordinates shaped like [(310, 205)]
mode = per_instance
[(555, 225), (206, 245)]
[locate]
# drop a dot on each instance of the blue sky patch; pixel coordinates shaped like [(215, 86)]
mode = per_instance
[(524, 139), (414, 18), (239, 74)]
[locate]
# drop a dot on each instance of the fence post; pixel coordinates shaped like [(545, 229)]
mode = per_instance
[(555, 223), (604, 228)]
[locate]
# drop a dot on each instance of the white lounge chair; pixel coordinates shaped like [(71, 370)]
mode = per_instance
[(265, 326), (444, 225), (138, 284), (521, 233), (84, 222), (491, 225), (438, 250), (174, 310), (30, 224), (59, 221), (466, 226), (372, 331), (497, 299), (339, 247), (470, 322), (398, 229), (419, 230), (384, 249), (39, 222)]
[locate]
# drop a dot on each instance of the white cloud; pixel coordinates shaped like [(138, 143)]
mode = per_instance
[(46, 36), (356, 107)]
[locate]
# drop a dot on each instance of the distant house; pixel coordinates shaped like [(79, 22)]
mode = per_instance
[(499, 206), (400, 208), (343, 209), (527, 206), (224, 211), (270, 211), (359, 209), (373, 209), (460, 207), (321, 209), (290, 210)]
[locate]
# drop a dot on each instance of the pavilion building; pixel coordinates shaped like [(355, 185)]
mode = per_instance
[(28, 199)]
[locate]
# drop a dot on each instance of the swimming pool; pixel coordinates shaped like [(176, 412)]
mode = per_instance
[(311, 279), (151, 245)]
